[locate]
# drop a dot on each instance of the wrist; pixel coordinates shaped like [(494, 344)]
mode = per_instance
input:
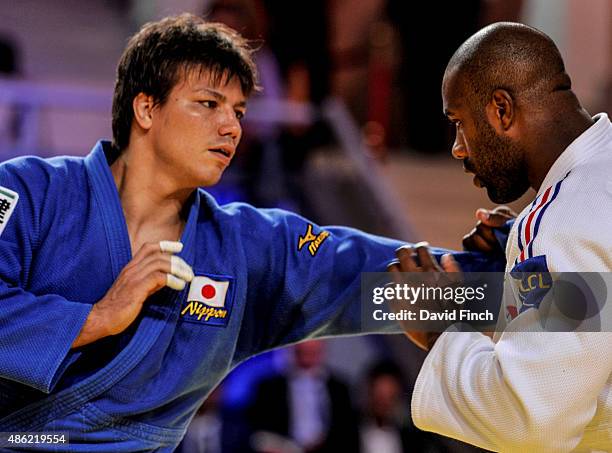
[(101, 321)]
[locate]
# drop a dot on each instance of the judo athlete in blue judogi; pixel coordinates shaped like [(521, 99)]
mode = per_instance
[(127, 293)]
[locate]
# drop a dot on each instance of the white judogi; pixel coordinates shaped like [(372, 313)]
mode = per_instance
[(532, 390)]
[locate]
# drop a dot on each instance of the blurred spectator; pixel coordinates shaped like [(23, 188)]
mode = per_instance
[(10, 115), (429, 32), (8, 57), (381, 429), (204, 432), (384, 427), (386, 424), (299, 37), (305, 408), (257, 167)]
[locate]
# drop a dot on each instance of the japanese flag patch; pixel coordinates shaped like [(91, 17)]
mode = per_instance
[(8, 201), (209, 300)]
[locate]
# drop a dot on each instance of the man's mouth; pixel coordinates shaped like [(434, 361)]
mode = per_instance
[(221, 151), (468, 169)]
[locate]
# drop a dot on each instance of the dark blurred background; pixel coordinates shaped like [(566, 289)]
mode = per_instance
[(348, 130)]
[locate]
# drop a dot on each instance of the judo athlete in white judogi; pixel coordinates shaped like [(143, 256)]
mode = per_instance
[(519, 125)]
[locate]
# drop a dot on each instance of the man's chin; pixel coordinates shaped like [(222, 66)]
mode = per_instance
[(503, 197), (210, 179)]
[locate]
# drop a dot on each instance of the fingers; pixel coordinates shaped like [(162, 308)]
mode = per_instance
[(153, 267), (180, 272), (175, 282), (449, 264), (405, 256), (393, 266), (505, 210), (171, 246), (156, 257), (428, 263), (180, 268), (495, 218), (149, 248), (481, 238), (454, 274)]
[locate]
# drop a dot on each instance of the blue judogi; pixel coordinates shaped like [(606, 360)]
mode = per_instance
[(281, 279)]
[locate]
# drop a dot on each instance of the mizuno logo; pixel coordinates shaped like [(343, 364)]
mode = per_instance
[(313, 241)]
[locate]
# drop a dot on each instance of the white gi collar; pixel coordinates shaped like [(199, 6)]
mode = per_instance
[(581, 149)]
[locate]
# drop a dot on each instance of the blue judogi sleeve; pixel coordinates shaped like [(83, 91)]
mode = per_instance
[(304, 281), (36, 331)]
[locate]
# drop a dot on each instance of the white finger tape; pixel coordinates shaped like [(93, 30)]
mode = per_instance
[(180, 268), (175, 282), (170, 246)]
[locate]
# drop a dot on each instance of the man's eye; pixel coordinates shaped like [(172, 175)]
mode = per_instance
[(209, 104), (239, 114)]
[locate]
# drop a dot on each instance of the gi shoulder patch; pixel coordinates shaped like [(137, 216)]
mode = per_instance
[(532, 281), (314, 241), (209, 300), (8, 201)]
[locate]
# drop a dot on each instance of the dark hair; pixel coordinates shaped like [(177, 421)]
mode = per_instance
[(162, 52), (384, 368)]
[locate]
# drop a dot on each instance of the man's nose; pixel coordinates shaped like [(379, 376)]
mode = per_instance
[(230, 126), (459, 151)]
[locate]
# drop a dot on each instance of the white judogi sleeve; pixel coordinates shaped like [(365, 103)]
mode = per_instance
[(528, 392)]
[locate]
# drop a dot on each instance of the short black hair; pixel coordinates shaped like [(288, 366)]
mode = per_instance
[(162, 52), (513, 56)]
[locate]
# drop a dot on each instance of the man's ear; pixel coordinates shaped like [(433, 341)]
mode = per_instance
[(143, 105), (501, 110)]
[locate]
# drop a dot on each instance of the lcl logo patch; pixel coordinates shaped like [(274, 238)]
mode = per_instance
[(209, 300)]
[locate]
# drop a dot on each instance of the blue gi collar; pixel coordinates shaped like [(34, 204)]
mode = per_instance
[(154, 316), (107, 198)]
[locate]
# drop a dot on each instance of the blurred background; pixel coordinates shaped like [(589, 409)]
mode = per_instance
[(348, 130)]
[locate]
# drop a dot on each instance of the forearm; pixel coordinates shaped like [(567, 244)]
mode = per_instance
[(94, 328), (514, 395)]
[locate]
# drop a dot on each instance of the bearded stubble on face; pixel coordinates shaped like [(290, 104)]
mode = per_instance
[(498, 163)]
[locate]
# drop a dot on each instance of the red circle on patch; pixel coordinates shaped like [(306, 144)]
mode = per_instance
[(208, 291)]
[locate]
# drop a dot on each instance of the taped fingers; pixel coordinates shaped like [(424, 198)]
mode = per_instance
[(175, 282), (180, 268), (170, 246)]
